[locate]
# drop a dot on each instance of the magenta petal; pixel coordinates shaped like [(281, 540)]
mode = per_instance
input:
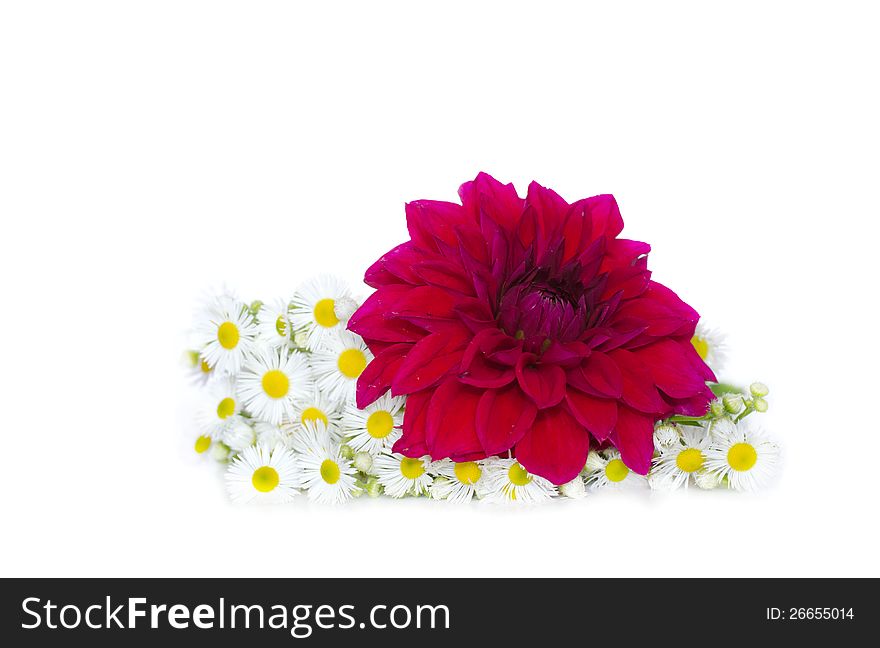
[(605, 216), (661, 311), (555, 447), (395, 267), (445, 274), (638, 391), (673, 368), (432, 221), (415, 417), (543, 383), (598, 415), (598, 375), (503, 416), (696, 405), (476, 370), (634, 436), (428, 361), (376, 378), (451, 429)]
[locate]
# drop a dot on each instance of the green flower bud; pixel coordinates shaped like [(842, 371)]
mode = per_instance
[(346, 451), (733, 403), (760, 405), (716, 408), (373, 487), (363, 461), (759, 389), (220, 451)]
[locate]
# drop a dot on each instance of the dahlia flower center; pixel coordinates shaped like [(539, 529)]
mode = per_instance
[(543, 309)]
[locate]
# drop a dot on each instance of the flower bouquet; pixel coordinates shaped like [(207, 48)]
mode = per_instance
[(514, 349)]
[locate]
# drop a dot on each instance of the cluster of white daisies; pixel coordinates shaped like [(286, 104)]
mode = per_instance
[(279, 409)]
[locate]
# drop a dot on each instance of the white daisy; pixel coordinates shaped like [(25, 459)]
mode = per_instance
[(505, 480), (320, 308), (262, 475), (375, 427), (679, 462), (745, 458), (315, 406), (458, 481), (238, 434), (338, 365), (200, 372), (711, 346), (326, 475), (270, 382), (666, 435), (226, 333), (220, 406), (401, 475), (201, 444), (274, 326), (607, 470)]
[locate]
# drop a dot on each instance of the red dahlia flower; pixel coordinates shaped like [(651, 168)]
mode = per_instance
[(527, 326)]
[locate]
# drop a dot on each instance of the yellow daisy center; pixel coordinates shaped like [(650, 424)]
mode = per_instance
[(281, 326), (742, 457), (412, 468), (313, 414), (275, 383), (701, 345), (689, 460), (380, 424), (205, 367), (330, 471), (517, 475), (467, 472), (616, 470), (265, 479), (352, 362), (226, 408), (325, 313), (227, 335), (202, 444)]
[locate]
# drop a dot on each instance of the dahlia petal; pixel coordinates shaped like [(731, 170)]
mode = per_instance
[(638, 390), (428, 361), (379, 303), (415, 417), (445, 274), (476, 370), (543, 383), (451, 428), (696, 405), (620, 253), (432, 223), (503, 416), (633, 435), (661, 310), (424, 302), (386, 329), (566, 354), (598, 375), (395, 267), (598, 415), (630, 282), (375, 379), (672, 367), (550, 208), (475, 315), (604, 214), (487, 196), (555, 447)]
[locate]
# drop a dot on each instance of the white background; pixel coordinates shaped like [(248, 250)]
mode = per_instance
[(151, 150)]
